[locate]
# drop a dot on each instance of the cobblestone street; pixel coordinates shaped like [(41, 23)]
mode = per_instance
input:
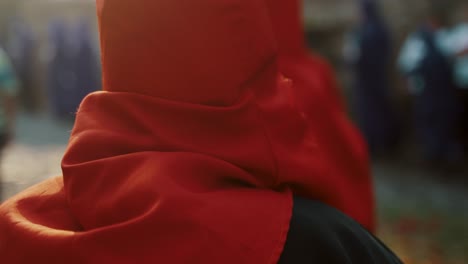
[(422, 219)]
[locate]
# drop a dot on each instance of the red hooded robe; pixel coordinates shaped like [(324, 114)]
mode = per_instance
[(191, 154), (340, 140)]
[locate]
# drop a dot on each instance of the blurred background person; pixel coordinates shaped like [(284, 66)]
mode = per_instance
[(62, 78), (368, 50), (73, 66), (425, 59), (8, 91), (86, 59), (21, 46)]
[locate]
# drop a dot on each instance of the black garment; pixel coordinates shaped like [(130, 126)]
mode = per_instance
[(376, 115), (320, 234)]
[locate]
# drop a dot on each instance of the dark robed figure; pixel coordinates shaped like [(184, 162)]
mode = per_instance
[(197, 151)]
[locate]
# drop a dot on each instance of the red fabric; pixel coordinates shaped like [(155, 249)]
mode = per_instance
[(340, 140), (190, 155), (289, 31)]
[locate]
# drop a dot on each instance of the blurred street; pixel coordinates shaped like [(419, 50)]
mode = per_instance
[(421, 216), (35, 154)]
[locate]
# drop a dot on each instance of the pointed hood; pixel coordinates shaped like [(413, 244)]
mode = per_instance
[(320, 98), (196, 143), (166, 48)]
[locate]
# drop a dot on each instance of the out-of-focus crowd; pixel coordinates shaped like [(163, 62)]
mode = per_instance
[(434, 63), (56, 78), (63, 71)]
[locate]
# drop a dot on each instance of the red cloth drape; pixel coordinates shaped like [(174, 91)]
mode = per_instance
[(314, 80), (192, 152)]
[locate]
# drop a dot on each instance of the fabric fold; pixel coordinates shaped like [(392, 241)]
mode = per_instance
[(192, 152)]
